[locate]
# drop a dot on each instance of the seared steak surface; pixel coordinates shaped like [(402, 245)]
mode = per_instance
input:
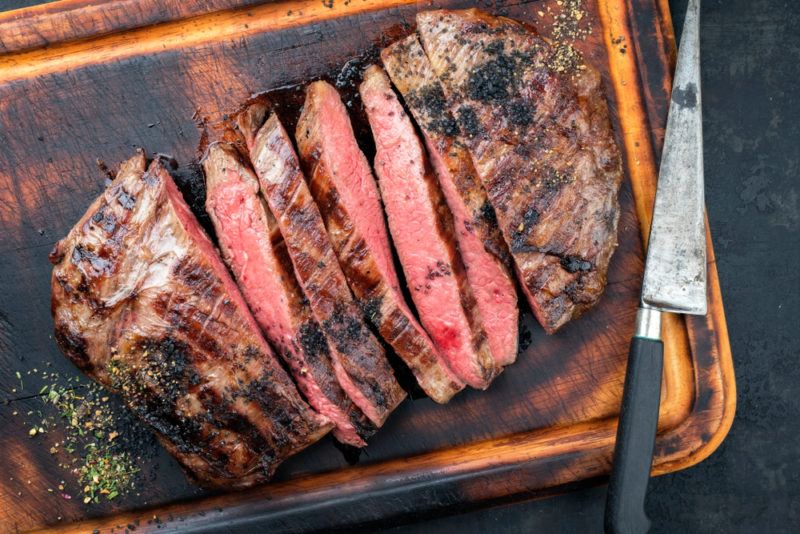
[(256, 253), (358, 357), (422, 228), (142, 303), (481, 244), (536, 124), (345, 191)]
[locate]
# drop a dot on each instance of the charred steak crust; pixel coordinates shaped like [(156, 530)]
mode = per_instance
[(376, 290), (144, 306), (360, 362), (422, 227), (479, 239), (255, 251), (538, 131)]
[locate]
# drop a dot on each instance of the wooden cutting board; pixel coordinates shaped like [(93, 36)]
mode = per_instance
[(81, 81)]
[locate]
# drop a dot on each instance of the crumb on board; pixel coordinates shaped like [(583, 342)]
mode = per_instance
[(568, 20)]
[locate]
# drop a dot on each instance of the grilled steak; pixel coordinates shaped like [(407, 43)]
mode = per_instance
[(422, 228), (342, 185), (358, 358), (254, 250), (481, 244), (143, 304), (535, 121)]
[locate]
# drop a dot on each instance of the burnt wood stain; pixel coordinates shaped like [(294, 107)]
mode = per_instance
[(60, 131)]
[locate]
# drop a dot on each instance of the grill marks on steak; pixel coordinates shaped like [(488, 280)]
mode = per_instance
[(422, 228), (328, 146), (358, 358), (142, 303), (540, 139), (481, 244), (254, 250), (345, 191)]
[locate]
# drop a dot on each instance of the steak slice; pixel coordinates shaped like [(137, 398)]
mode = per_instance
[(481, 244), (142, 304), (536, 124), (358, 357), (345, 191), (422, 229), (254, 250)]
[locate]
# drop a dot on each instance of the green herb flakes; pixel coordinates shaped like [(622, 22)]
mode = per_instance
[(86, 445)]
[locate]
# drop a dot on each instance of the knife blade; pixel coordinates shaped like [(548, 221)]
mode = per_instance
[(674, 281), (675, 270)]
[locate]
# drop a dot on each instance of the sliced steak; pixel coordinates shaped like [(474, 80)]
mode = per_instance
[(254, 250), (422, 229), (536, 124), (358, 357), (481, 244), (345, 191), (142, 303)]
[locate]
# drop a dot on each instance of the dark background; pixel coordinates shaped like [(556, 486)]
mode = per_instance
[(751, 103)]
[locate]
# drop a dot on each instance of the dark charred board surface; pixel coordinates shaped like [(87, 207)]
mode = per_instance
[(545, 422)]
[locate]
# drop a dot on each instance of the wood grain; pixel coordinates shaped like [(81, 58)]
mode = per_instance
[(547, 422), (71, 20)]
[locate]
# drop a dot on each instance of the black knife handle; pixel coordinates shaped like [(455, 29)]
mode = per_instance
[(636, 433)]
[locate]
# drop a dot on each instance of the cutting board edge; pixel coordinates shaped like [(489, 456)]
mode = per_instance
[(714, 321), (53, 23), (714, 400), (710, 423)]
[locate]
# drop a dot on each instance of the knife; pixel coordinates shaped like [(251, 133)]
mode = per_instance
[(674, 281)]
